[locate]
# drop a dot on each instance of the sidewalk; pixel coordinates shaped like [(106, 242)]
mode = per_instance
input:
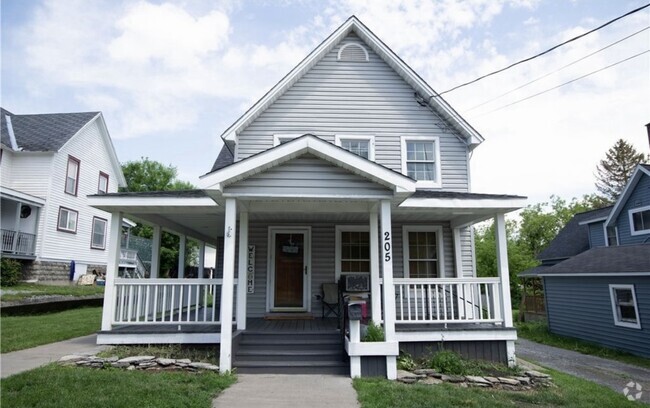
[(28, 359), (610, 373), (280, 391)]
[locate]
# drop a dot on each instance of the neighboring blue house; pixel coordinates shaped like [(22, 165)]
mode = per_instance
[(596, 272)]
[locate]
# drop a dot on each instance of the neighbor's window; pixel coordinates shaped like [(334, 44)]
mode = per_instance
[(360, 145), (102, 187), (422, 252), (640, 220), (421, 160), (98, 240), (67, 220), (612, 238), (72, 176), (624, 306), (353, 250)]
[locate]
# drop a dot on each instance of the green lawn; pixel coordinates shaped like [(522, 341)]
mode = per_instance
[(538, 332), (27, 290), (60, 387), (21, 332), (570, 392)]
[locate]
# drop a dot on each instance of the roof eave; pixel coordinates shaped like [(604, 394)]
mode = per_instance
[(625, 195)]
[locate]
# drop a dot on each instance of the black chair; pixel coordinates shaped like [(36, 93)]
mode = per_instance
[(330, 300)]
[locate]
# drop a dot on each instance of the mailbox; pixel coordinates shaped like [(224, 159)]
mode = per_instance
[(354, 311)]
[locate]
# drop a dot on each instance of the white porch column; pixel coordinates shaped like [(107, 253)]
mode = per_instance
[(375, 288), (14, 246), (155, 252), (389, 288), (201, 259), (230, 232), (112, 266), (458, 254), (502, 267), (241, 270), (181, 256)]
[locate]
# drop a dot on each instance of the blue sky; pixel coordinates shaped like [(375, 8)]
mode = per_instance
[(170, 76)]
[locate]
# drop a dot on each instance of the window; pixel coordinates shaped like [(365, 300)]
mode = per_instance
[(624, 306), (72, 176), (640, 220), (102, 186), (98, 238), (67, 220), (363, 146), (612, 237), (423, 251), (421, 160), (352, 250)]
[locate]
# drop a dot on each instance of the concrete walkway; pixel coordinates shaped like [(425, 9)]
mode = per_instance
[(274, 390), (610, 373), (28, 359)]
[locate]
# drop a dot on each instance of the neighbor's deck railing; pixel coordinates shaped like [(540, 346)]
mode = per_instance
[(19, 243), (454, 300), (167, 301)]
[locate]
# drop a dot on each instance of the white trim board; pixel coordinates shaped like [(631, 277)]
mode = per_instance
[(457, 335), (559, 275), (625, 195), (612, 296)]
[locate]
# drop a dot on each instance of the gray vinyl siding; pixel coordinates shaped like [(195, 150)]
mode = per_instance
[(308, 175), (581, 307), (640, 197), (494, 351), (596, 234), (357, 98), (467, 256)]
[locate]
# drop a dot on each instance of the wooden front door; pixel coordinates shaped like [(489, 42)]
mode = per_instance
[(289, 262)]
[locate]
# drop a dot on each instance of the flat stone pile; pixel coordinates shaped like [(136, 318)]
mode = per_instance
[(149, 363), (526, 382)]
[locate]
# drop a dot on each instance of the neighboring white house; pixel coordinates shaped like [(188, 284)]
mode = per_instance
[(352, 170), (49, 163)]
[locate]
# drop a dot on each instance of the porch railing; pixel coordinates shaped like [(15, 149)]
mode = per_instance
[(132, 264), (19, 243), (167, 301), (456, 300)]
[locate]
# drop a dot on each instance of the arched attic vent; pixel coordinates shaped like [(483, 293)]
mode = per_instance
[(353, 52)]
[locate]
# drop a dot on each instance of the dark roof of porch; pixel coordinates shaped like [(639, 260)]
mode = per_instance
[(461, 195)]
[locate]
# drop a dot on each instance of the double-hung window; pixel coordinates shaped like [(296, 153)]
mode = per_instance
[(72, 176), (98, 236), (423, 251), (624, 306), (102, 185), (363, 146), (67, 220), (352, 250), (640, 220), (421, 160)]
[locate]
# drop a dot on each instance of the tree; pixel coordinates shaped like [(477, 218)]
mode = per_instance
[(615, 169)]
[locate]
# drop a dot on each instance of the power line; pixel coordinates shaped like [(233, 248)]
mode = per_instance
[(557, 70), (566, 83), (545, 52)]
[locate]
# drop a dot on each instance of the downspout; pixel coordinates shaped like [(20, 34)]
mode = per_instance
[(12, 136)]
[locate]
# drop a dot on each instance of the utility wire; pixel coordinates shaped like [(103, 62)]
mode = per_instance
[(547, 51), (566, 83), (557, 70)]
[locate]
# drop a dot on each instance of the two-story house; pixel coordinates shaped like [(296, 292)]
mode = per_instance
[(596, 272), (351, 169), (49, 163)]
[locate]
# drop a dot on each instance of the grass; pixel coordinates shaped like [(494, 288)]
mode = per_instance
[(61, 387), (21, 332), (570, 392), (27, 290), (538, 332), (204, 354)]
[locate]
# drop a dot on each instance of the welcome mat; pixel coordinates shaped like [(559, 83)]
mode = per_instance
[(289, 316)]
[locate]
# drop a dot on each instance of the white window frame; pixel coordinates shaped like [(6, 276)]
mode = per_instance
[(72, 159), (605, 227), (102, 176), (338, 139), (437, 183), (338, 249), (634, 211), (615, 311), (277, 137), (67, 227), (439, 245), (92, 233)]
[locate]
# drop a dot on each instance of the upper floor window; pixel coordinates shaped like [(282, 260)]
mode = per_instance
[(423, 251), (352, 250), (612, 237), (624, 306), (102, 187), (67, 220), (640, 220), (363, 146), (72, 176), (98, 236), (421, 160)]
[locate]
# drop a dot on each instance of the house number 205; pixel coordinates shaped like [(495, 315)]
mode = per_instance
[(387, 246)]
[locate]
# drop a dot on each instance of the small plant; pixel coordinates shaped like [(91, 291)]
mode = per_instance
[(374, 333), (406, 362), (10, 272), (448, 362)]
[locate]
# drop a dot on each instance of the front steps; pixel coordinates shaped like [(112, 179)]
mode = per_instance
[(291, 353)]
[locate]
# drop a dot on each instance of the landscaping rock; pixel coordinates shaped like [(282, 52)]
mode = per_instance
[(73, 358), (408, 380), (523, 380), (130, 368), (204, 366), (452, 378), (166, 361), (478, 380), (117, 364), (147, 364), (136, 359), (508, 381), (408, 374), (426, 371), (183, 361), (493, 380), (480, 385), (536, 374), (430, 381), (111, 359)]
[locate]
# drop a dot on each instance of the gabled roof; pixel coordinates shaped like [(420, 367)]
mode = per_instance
[(225, 157), (353, 24), (615, 260), (642, 170)]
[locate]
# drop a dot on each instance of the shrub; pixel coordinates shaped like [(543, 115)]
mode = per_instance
[(375, 333), (406, 362), (448, 362), (10, 272)]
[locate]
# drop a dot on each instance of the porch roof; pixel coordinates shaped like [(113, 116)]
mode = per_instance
[(16, 195)]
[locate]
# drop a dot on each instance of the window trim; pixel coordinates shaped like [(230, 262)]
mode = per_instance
[(99, 182), (439, 244), (605, 228), (634, 211), (92, 233), (437, 183), (338, 249), (291, 136), (612, 297), (338, 139), (76, 181), (58, 220)]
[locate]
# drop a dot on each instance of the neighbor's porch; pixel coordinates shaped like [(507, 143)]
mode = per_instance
[(19, 219)]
